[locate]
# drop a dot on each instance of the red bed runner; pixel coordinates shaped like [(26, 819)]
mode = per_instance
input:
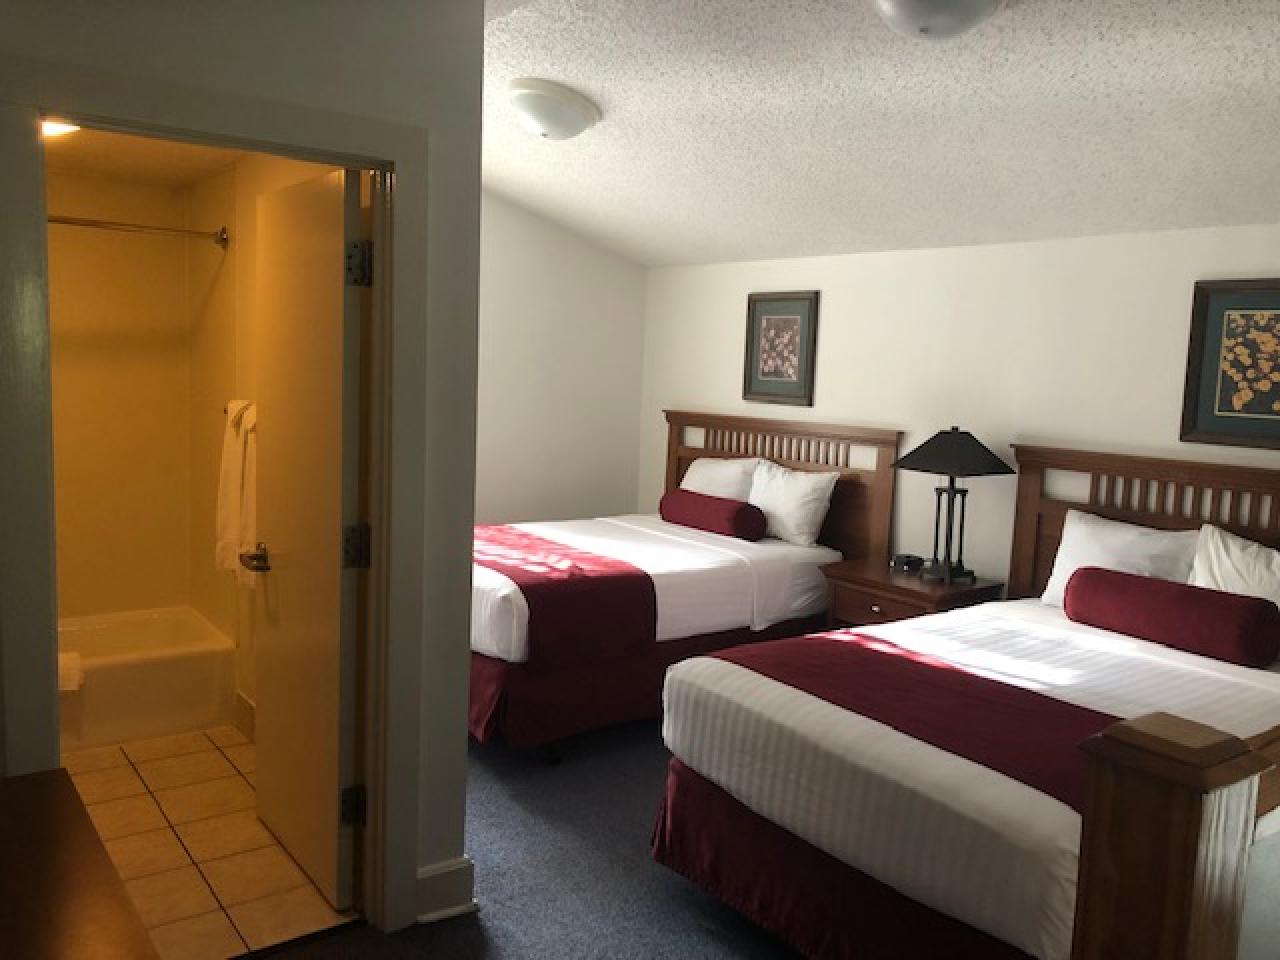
[(582, 607), (1020, 733)]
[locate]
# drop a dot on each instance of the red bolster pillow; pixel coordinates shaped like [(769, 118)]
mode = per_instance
[(733, 518), (1225, 626)]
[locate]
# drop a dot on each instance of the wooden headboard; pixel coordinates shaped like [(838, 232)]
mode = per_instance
[(1167, 494), (859, 523)]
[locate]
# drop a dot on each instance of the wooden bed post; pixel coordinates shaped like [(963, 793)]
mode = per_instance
[(1026, 527), (1167, 832), (881, 540), (675, 439)]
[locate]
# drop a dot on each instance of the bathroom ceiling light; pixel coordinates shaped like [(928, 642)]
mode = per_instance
[(935, 19), (551, 110), (57, 128)]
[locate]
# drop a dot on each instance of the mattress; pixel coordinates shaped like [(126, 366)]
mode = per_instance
[(954, 835), (703, 582)]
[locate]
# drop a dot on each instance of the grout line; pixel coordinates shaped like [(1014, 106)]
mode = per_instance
[(173, 828)]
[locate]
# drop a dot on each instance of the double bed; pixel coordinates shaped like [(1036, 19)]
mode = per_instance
[(592, 650), (916, 788)]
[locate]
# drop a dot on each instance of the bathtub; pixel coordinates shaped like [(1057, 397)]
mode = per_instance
[(147, 673)]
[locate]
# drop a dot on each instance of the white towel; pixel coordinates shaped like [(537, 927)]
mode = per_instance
[(236, 524), (70, 672)]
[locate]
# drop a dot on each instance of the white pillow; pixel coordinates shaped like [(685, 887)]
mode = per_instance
[(720, 478), (1089, 541), (1224, 561), (794, 502)]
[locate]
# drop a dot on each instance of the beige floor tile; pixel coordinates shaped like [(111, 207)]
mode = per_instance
[(200, 800), (226, 736), (95, 758), (110, 783), (206, 937), (283, 916), (222, 836), (250, 876), (142, 750), (173, 895), (244, 756), (184, 769), (121, 818), (146, 853)]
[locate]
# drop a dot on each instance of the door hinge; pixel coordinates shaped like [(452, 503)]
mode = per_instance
[(357, 546), (354, 799), (360, 263)]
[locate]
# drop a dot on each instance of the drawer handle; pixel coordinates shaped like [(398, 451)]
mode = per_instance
[(875, 608)]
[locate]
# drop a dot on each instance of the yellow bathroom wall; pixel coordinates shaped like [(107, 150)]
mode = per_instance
[(151, 337), (120, 398), (212, 347)]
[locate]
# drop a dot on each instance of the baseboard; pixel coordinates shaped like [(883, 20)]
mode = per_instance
[(245, 715), (445, 890)]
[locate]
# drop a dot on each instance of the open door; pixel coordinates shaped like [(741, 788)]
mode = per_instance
[(307, 333)]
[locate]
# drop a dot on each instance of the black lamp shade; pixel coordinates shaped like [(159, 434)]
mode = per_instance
[(953, 453)]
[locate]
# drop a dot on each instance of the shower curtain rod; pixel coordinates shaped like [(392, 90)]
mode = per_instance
[(218, 236)]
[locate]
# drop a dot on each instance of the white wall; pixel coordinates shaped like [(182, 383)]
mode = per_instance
[(1074, 343), (561, 341)]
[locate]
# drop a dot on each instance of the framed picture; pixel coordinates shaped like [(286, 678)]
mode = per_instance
[(1233, 364), (782, 340)]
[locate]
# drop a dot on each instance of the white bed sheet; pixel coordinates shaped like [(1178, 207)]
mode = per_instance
[(703, 582), (950, 833)]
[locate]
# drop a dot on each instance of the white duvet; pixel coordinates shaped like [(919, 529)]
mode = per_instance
[(950, 833), (703, 582)]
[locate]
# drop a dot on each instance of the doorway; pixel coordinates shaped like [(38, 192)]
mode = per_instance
[(206, 369)]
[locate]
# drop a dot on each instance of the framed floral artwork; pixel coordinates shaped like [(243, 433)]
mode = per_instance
[(782, 340), (1232, 392)]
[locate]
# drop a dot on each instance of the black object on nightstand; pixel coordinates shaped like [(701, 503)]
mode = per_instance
[(861, 593), (951, 453)]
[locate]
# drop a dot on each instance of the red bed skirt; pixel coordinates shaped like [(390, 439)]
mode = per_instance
[(530, 708), (822, 907)]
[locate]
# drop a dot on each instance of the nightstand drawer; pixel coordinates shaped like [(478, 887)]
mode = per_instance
[(853, 606)]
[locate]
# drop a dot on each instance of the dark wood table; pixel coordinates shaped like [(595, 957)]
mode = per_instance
[(60, 895)]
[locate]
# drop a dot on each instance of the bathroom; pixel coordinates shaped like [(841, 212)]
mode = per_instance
[(169, 265)]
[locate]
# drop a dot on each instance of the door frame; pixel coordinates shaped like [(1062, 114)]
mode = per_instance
[(415, 605)]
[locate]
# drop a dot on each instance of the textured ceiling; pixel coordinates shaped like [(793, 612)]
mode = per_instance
[(741, 129)]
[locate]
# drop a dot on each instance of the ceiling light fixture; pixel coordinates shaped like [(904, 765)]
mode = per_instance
[(551, 110), (57, 128), (935, 19)]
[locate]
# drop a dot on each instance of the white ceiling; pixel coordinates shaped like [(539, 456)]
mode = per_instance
[(743, 129), (118, 156)]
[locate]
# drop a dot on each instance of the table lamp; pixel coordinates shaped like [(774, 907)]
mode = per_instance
[(951, 453)]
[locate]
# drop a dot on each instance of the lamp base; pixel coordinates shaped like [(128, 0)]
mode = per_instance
[(938, 572)]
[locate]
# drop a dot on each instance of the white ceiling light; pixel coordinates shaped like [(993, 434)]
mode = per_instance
[(551, 110), (935, 19)]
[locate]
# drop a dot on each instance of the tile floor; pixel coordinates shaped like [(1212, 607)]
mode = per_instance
[(177, 817)]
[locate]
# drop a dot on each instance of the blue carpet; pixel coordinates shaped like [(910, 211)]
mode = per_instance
[(563, 868)]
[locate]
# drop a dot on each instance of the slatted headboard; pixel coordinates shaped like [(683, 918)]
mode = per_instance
[(859, 523), (1168, 494)]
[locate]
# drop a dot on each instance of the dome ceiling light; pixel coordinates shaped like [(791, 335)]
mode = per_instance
[(935, 19), (551, 110)]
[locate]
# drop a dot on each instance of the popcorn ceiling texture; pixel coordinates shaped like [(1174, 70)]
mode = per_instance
[(744, 129)]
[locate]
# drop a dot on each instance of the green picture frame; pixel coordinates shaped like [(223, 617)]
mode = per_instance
[(782, 345), (1232, 392)]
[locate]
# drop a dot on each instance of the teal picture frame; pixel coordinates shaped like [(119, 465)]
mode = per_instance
[(780, 361), (1232, 391)]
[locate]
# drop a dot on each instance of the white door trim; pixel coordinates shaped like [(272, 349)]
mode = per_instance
[(28, 599), (430, 471)]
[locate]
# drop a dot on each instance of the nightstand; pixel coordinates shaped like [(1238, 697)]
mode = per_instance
[(861, 593)]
